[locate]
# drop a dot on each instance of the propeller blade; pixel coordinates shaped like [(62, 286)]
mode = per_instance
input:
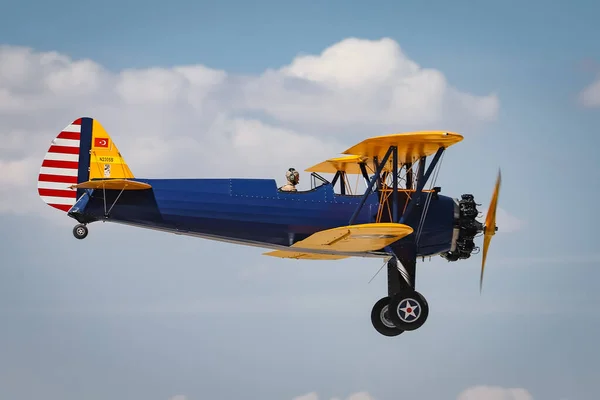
[(490, 226)]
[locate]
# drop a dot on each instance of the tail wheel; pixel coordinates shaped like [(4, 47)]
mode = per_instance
[(408, 310), (380, 317), (80, 231)]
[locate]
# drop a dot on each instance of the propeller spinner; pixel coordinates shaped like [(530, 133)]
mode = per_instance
[(490, 227)]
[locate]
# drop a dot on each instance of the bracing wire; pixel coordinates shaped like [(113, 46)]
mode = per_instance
[(380, 268), (428, 199)]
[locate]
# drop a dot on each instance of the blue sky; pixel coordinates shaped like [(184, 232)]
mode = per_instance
[(130, 314)]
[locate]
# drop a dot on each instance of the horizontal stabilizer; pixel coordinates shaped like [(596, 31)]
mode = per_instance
[(356, 238), (303, 256), (113, 184)]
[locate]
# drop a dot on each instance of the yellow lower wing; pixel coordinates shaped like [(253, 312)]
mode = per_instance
[(356, 238), (349, 239), (297, 255), (112, 184)]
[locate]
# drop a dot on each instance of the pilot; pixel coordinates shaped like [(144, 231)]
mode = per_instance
[(293, 177)]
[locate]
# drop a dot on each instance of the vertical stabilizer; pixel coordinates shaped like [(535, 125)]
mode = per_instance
[(82, 151)]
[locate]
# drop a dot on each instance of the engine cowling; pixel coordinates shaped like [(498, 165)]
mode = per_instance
[(466, 227)]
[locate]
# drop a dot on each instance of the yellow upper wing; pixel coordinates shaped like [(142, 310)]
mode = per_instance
[(411, 145)]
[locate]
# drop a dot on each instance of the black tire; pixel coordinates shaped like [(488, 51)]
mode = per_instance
[(80, 231), (408, 310), (381, 320)]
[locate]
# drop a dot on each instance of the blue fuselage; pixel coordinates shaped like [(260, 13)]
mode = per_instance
[(255, 212)]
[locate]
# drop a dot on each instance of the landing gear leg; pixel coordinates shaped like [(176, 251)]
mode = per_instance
[(404, 307), (80, 231)]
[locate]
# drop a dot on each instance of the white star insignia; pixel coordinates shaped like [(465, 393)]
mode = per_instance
[(409, 309)]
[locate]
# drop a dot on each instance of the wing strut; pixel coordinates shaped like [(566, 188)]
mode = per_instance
[(111, 184), (423, 177), (107, 212), (395, 184), (374, 179), (421, 184)]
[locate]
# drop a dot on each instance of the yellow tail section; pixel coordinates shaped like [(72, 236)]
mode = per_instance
[(106, 162), (81, 152)]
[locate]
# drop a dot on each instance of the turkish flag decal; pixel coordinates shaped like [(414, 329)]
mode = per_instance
[(101, 142)]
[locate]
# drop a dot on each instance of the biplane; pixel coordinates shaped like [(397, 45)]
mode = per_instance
[(396, 217)]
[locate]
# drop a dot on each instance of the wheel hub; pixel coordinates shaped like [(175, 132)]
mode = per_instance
[(80, 231), (385, 317), (409, 310)]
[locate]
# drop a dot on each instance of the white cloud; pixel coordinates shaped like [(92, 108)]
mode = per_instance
[(309, 396), (179, 397), (194, 121), (494, 393), (590, 96), (473, 393), (360, 396), (365, 82), (354, 396)]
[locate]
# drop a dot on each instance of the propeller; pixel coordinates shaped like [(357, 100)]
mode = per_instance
[(490, 227)]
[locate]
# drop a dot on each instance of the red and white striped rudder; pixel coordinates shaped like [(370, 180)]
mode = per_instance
[(60, 168)]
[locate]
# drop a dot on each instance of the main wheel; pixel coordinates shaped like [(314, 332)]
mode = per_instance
[(408, 310), (80, 231), (381, 319)]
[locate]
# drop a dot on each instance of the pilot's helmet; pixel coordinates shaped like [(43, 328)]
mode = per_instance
[(292, 176)]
